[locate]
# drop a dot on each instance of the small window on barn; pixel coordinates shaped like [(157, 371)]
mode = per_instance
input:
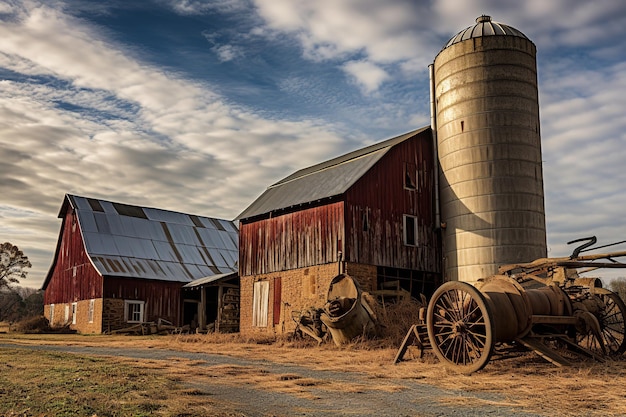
[(260, 302), (74, 311), (66, 318), (410, 230), (51, 314), (410, 176), (133, 311), (92, 305)]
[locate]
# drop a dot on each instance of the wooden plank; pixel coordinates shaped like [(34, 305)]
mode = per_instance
[(277, 300), (417, 336), (544, 351)]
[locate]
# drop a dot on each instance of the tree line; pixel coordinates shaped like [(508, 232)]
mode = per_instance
[(16, 303)]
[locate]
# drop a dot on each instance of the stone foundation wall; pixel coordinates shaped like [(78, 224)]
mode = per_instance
[(83, 324), (113, 315), (300, 289)]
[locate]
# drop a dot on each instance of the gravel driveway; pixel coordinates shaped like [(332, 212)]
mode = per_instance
[(370, 400)]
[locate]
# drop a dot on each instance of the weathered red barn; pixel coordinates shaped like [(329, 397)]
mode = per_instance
[(117, 264), (371, 212)]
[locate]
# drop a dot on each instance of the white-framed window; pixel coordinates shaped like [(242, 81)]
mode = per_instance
[(133, 311), (260, 302), (409, 228), (74, 310), (66, 317), (51, 314), (92, 306)]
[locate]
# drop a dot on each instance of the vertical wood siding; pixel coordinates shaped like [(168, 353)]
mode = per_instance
[(381, 197), (294, 240), (162, 298), (74, 278)]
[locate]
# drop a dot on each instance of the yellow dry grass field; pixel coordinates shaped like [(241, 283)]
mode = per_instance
[(524, 380)]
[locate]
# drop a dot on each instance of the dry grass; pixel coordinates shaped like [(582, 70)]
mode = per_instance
[(34, 383), (523, 380)]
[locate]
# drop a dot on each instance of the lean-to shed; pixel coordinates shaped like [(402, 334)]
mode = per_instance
[(370, 212), (117, 264)]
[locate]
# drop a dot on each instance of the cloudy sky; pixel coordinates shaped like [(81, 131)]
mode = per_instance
[(197, 106)]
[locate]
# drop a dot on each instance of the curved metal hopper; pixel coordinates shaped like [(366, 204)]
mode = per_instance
[(346, 314)]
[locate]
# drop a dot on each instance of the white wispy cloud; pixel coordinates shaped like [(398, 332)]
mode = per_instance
[(368, 76), (381, 32), (144, 136), (81, 112)]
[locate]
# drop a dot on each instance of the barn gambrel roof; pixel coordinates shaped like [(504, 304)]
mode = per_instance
[(325, 180), (122, 240)]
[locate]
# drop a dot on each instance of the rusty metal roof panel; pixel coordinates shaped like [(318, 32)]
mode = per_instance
[(321, 181), (132, 241)]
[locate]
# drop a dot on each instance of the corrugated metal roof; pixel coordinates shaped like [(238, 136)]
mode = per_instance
[(210, 280), (131, 241), (324, 180)]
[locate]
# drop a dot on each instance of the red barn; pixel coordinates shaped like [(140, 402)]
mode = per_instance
[(372, 211), (117, 264)]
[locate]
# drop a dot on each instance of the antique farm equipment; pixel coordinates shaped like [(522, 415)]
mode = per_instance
[(347, 313), (308, 322), (530, 304)]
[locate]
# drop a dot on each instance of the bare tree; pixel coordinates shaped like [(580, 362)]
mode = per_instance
[(17, 303), (618, 286), (13, 264)]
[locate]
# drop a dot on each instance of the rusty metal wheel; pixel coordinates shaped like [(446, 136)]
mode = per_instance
[(612, 320), (460, 327)]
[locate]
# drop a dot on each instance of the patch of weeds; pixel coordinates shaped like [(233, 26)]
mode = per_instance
[(52, 383)]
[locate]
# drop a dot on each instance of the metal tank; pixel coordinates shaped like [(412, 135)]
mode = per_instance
[(486, 124)]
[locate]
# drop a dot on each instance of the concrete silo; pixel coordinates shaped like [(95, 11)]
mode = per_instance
[(486, 122)]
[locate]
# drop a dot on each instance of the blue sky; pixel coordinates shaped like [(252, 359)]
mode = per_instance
[(198, 106)]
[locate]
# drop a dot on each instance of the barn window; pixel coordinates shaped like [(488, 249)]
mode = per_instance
[(51, 314), (66, 318), (410, 176), (74, 310), (260, 302), (91, 309), (133, 311), (410, 230)]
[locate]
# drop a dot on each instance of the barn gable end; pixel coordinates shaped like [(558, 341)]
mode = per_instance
[(347, 214), (118, 264)]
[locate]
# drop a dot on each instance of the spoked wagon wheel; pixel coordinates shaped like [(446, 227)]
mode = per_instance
[(460, 327), (612, 320)]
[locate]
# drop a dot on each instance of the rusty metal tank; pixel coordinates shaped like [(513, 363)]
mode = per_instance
[(489, 150)]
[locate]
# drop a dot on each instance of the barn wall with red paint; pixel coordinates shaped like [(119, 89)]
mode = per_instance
[(74, 278), (300, 239), (162, 298), (377, 203)]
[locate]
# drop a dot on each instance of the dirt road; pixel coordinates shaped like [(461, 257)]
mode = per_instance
[(261, 387)]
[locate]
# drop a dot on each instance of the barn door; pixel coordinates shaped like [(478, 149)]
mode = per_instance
[(277, 299)]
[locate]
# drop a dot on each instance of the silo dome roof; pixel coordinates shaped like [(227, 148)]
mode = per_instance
[(484, 27)]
